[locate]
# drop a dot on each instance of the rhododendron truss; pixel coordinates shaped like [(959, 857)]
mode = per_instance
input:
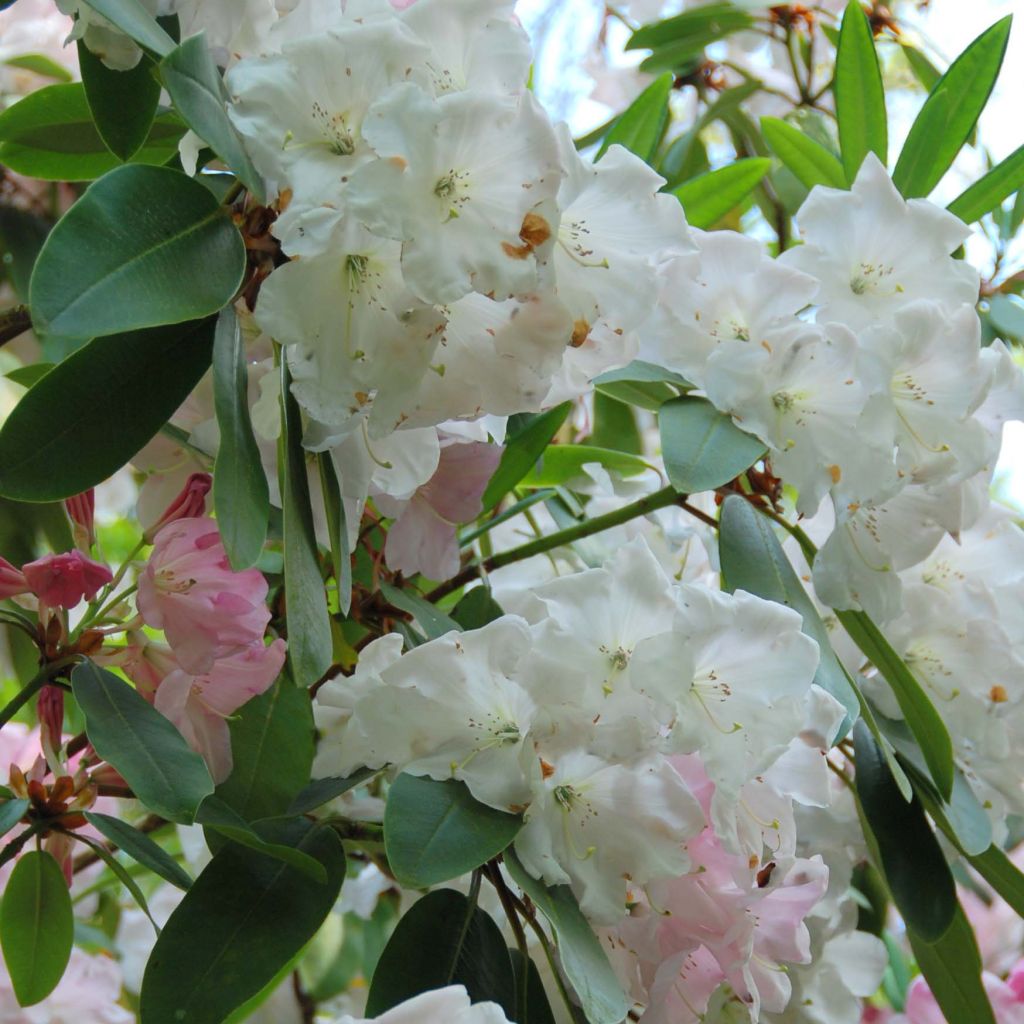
[(454, 570)]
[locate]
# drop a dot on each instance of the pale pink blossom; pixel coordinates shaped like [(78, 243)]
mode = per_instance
[(144, 661), (189, 503), (63, 580), (12, 580), (189, 590), (1006, 997)]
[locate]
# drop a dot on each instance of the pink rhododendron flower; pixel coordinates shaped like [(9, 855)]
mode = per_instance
[(145, 662), (82, 510), (198, 705), (189, 503), (189, 590), (12, 580), (63, 580)]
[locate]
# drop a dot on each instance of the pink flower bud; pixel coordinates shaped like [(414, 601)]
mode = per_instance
[(82, 508), (63, 580), (189, 504), (12, 580), (50, 710)]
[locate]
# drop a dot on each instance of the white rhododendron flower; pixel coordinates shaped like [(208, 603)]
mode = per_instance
[(449, 1005)]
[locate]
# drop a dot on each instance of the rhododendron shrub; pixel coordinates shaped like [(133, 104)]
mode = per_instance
[(456, 572)]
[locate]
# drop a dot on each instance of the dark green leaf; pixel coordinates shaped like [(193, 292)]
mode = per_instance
[(51, 447), (240, 492), (991, 189), (167, 776), (39, 63), (135, 21), (122, 874), (860, 97), (911, 859), (272, 740), (337, 527), (321, 791), (709, 197), (615, 426), (433, 621), (691, 31), (310, 645), (950, 113), (476, 608), (563, 464), (245, 917), (642, 384), (140, 847), (537, 1009), (11, 812), (443, 940), (434, 831), (641, 125), (123, 103), (36, 926), (702, 447), (21, 236), (810, 162), (197, 89), (583, 959), (144, 246), (1003, 875)]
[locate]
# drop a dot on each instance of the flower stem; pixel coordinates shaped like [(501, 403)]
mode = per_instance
[(32, 687)]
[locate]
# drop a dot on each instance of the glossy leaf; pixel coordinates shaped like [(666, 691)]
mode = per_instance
[(435, 831), (195, 85), (11, 812), (135, 21), (240, 492), (563, 464), (990, 189), (681, 39), (140, 847), (641, 125), (702, 447), (443, 940), (245, 917), (432, 620), (642, 384), (537, 1008), (583, 960), (167, 776), (950, 113), (143, 376), (859, 94), (321, 791), (144, 246), (811, 163), (310, 645), (709, 197), (36, 926), (123, 103), (337, 527)]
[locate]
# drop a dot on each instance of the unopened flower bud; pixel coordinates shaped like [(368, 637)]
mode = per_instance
[(63, 580), (50, 710), (12, 580), (189, 504), (82, 508)]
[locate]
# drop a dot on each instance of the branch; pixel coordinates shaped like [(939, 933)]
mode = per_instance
[(14, 321)]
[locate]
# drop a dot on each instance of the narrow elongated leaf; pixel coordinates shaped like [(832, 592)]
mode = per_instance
[(52, 447), (123, 103), (245, 918), (443, 940), (860, 97), (135, 21), (434, 831), (911, 859), (337, 526), (11, 812), (536, 1009), (164, 773), (563, 464), (702, 447), (923, 69), (991, 189), (38, 63), (709, 197), (811, 163), (194, 83), (692, 30), (309, 625), (641, 125), (272, 740), (320, 791), (522, 449), (1003, 875), (433, 621), (583, 959), (140, 847), (950, 113), (36, 926), (240, 492), (122, 874)]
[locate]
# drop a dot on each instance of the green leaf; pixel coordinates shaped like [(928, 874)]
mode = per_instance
[(167, 776), (753, 560), (641, 125), (337, 527), (321, 791), (240, 493), (950, 113), (144, 246), (952, 968), (709, 197), (21, 237), (443, 940), (859, 94), (923, 69), (36, 926), (122, 874), (51, 134), (642, 384), (434, 831), (911, 859), (563, 464), (123, 103), (272, 742), (523, 448), (433, 621), (990, 189), (584, 961), (918, 711), (1003, 875), (310, 646), (11, 812), (702, 447), (52, 448), (679, 39), (537, 1009), (140, 847), (136, 22), (195, 85), (245, 917), (26, 376), (1006, 315), (615, 426), (476, 608), (811, 163), (40, 64)]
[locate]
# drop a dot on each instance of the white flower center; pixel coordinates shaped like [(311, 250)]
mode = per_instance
[(874, 279)]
